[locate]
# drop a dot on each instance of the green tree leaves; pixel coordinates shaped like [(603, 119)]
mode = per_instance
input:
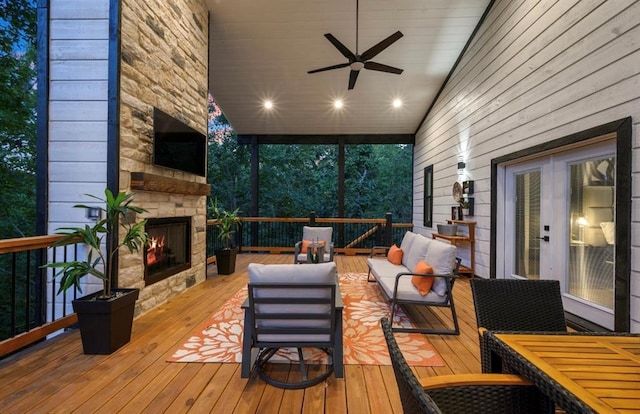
[(17, 117)]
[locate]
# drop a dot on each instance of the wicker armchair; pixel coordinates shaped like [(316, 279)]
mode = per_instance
[(516, 305), (473, 393)]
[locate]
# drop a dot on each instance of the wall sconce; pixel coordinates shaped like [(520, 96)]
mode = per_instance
[(461, 166), (94, 213)]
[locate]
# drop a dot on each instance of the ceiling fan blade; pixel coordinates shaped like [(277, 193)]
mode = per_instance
[(382, 68), (342, 48), (338, 66), (374, 50), (353, 76)]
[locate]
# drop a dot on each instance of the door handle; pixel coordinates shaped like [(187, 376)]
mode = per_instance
[(545, 238)]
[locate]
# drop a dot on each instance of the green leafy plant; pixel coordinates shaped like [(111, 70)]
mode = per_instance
[(464, 203), (225, 221), (100, 263)]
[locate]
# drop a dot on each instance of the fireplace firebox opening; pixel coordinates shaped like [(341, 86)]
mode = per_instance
[(168, 249)]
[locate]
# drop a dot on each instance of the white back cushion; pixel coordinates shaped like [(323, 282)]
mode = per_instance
[(317, 234), (405, 245), (417, 252), (292, 273), (441, 256)]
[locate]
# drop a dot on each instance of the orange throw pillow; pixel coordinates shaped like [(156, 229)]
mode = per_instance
[(394, 255), (307, 243), (423, 284)]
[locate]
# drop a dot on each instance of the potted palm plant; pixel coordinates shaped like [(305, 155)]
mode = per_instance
[(226, 222), (105, 317)]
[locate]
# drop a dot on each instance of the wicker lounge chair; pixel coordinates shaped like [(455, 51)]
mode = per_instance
[(516, 305), (460, 394)]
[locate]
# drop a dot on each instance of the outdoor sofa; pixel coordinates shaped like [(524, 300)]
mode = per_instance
[(398, 282)]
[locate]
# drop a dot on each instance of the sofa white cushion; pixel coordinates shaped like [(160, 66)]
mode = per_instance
[(417, 251), (441, 256), (407, 291), (381, 267), (405, 245)]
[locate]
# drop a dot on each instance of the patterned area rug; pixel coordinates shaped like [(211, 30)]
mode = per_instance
[(219, 338)]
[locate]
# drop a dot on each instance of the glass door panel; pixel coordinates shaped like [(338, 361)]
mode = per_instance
[(591, 240), (527, 224)]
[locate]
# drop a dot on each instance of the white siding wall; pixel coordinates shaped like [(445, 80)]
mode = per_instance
[(77, 108), (536, 71)]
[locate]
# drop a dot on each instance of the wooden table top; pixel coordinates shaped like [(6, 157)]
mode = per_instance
[(602, 371)]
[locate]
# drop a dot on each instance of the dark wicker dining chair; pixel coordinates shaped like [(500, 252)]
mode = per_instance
[(516, 305), (460, 394)]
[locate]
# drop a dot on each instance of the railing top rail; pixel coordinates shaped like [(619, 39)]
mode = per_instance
[(336, 220), (28, 243)]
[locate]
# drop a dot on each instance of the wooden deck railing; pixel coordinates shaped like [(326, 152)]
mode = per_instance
[(31, 309), (27, 313), (279, 235)]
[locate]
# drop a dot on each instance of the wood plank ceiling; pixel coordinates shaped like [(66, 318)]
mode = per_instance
[(262, 50)]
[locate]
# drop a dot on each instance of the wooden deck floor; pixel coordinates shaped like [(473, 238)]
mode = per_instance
[(57, 377)]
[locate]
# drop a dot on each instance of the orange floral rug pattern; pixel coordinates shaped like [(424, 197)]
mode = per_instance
[(219, 338)]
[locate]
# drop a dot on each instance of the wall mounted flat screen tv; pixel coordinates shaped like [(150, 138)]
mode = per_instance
[(176, 145)]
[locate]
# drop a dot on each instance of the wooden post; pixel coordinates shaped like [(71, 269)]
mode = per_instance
[(388, 236), (312, 218)]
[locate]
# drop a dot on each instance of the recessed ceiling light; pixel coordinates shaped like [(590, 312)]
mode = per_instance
[(268, 104), (338, 103), (397, 103)]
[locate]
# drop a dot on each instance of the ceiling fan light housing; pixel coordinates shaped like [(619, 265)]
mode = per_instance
[(356, 66)]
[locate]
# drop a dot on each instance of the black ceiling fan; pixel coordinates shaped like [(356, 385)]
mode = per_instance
[(356, 61)]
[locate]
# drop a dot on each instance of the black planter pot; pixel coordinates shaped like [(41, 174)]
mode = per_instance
[(105, 325), (226, 260)]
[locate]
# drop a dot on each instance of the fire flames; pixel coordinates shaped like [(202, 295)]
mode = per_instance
[(155, 250)]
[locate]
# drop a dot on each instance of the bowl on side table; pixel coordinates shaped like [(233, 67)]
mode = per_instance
[(448, 229)]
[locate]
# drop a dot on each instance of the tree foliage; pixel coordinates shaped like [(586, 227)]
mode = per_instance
[(17, 117)]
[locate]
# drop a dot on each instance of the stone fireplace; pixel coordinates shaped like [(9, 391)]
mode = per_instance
[(163, 67), (168, 250)]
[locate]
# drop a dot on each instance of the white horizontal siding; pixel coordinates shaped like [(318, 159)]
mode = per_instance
[(74, 152), (79, 9), (78, 70), (77, 131), (536, 71), (79, 49), (78, 172), (78, 52), (67, 90), (84, 29), (78, 75)]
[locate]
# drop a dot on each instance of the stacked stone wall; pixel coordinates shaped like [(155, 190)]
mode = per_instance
[(164, 62)]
